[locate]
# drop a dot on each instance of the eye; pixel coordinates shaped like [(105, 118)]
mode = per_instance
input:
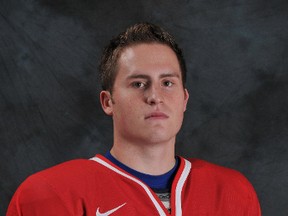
[(138, 84), (168, 83)]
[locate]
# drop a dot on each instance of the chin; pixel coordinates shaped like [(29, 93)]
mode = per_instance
[(160, 138)]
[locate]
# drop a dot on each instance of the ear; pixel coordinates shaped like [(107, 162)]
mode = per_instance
[(106, 102), (186, 97)]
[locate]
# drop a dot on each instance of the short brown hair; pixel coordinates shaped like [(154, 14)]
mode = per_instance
[(136, 34)]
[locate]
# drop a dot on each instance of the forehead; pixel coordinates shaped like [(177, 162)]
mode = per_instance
[(148, 56)]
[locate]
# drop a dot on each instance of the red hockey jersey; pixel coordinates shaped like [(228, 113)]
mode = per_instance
[(98, 187)]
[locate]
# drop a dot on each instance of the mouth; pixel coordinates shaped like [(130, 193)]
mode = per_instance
[(156, 115)]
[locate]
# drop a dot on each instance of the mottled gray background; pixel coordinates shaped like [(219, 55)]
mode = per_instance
[(237, 58)]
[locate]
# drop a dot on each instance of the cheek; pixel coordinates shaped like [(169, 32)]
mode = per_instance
[(126, 110), (179, 108)]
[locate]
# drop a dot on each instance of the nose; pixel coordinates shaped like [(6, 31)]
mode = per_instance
[(153, 96)]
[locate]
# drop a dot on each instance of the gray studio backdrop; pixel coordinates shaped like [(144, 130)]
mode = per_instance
[(237, 58)]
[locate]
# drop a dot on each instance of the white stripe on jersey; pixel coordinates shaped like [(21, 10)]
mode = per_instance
[(156, 204), (178, 192), (180, 183)]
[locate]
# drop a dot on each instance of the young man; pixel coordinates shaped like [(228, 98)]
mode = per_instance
[(143, 78)]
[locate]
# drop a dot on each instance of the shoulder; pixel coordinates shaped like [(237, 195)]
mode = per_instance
[(221, 178), (205, 168), (214, 182), (65, 169), (52, 188), (67, 173), (61, 174)]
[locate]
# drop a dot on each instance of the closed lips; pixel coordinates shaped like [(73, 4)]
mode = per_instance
[(156, 115)]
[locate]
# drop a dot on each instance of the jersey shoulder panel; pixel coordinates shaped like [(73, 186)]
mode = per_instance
[(226, 184), (219, 174), (58, 188)]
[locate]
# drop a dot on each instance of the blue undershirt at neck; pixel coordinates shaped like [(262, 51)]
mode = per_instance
[(156, 182)]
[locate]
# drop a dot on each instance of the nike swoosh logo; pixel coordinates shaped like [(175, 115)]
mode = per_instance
[(98, 213)]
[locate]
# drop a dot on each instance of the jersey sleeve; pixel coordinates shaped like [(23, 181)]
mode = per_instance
[(253, 202), (223, 191), (35, 197), (243, 197)]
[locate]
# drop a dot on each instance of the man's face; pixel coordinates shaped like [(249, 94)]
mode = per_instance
[(148, 99)]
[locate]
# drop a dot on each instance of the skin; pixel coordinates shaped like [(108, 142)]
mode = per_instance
[(147, 107)]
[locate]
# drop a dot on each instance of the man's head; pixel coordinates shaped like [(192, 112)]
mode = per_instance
[(136, 34), (143, 76)]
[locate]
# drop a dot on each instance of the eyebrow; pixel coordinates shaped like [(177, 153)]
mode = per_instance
[(170, 75), (143, 76)]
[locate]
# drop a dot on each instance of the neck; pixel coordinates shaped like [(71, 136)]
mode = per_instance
[(153, 159)]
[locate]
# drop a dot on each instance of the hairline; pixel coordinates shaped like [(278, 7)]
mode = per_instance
[(119, 51)]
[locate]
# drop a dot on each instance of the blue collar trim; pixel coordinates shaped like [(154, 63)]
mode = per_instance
[(156, 182)]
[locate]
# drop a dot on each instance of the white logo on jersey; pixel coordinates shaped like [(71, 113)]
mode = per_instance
[(108, 212)]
